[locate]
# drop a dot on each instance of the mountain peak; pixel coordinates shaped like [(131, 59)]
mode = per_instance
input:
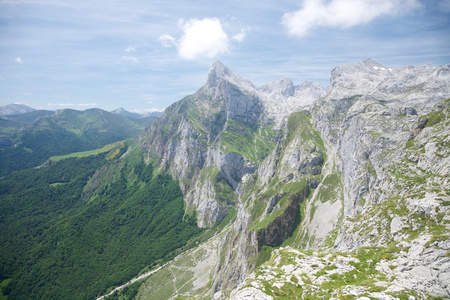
[(282, 86), (218, 72), (119, 110), (15, 109), (219, 68), (371, 64)]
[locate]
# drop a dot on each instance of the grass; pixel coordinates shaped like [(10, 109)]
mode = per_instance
[(272, 216), (263, 255), (434, 118), (117, 145), (331, 188), (254, 143), (299, 123)]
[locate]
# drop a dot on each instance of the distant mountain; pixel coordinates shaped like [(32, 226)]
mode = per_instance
[(14, 109), (29, 139), (124, 113), (28, 117), (153, 114)]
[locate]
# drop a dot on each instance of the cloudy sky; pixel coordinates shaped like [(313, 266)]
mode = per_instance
[(144, 55)]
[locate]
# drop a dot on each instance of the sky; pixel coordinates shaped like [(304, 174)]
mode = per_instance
[(145, 55)]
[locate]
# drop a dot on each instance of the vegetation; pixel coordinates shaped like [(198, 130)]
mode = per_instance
[(55, 245), (117, 146), (254, 143), (264, 255), (32, 142), (325, 279)]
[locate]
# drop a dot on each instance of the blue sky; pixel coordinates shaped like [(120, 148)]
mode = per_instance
[(145, 55)]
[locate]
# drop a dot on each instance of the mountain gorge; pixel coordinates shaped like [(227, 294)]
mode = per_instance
[(358, 167)]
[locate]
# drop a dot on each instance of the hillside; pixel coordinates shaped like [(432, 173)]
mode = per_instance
[(77, 226), (29, 139)]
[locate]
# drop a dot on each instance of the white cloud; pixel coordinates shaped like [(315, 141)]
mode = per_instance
[(130, 59), (202, 38), (19, 60), (155, 109), (239, 37), (70, 104), (148, 110), (167, 40), (342, 13), (60, 104), (130, 49)]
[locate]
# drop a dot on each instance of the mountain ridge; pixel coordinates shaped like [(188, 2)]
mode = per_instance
[(29, 139), (342, 145), (14, 109)]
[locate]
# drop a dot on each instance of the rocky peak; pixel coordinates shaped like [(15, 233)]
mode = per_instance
[(282, 97), (365, 68), (219, 74), (369, 63), (282, 86), (421, 86)]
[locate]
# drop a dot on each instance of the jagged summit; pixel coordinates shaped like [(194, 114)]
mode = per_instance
[(400, 87), (220, 73), (370, 63), (219, 69), (283, 86)]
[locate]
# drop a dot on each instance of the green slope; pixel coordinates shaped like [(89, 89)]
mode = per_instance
[(33, 138), (81, 225)]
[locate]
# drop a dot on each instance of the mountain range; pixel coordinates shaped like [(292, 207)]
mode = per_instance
[(361, 167), (298, 193), (29, 137)]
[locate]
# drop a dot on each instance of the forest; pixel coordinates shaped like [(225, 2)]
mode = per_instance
[(58, 243)]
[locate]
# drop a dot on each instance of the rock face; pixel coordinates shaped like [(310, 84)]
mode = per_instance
[(278, 230), (372, 152), (207, 136)]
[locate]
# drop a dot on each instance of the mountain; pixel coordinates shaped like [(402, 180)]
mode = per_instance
[(153, 114), (360, 168), (299, 193), (124, 113), (14, 109), (29, 139)]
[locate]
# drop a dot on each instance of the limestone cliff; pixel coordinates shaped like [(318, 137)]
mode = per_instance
[(373, 150)]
